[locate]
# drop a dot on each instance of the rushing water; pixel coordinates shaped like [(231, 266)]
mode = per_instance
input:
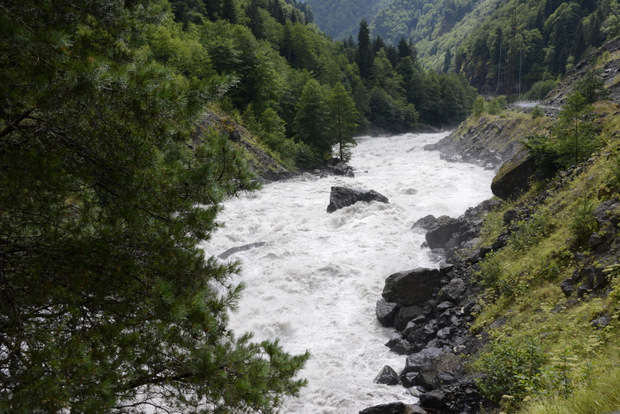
[(315, 280)]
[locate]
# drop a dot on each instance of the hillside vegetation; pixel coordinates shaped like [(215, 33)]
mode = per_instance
[(502, 47), (551, 307)]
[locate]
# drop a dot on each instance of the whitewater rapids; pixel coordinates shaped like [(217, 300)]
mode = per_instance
[(313, 278)]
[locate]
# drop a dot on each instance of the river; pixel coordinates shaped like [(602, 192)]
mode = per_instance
[(315, 280)]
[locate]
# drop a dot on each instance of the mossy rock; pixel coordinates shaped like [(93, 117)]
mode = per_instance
[(514, 176)]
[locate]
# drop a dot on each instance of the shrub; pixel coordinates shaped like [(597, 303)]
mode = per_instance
[(510, 367), (537, 113), (540, 89), (583, 222), (497, 105), (490, 271), (532, 231)]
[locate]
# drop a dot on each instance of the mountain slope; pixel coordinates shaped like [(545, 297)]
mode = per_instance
[(340, 19)]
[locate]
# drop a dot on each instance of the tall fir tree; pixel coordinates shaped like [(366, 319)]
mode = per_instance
[(312, 119), (365, 54), (343, 120)]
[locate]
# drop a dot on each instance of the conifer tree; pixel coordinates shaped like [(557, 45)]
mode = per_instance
[(107, 304), (365, 54), (312, 119), (343, 120)]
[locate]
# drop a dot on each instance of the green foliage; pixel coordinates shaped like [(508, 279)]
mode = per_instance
[(574, 132), (491, 271), (478, 108), (591, 86), (531, 231), (573, 137), (311, 120), (583, 222), (497, 105), (540, 89), (537, 113), (343, 120), (510, 367), (108, 303)]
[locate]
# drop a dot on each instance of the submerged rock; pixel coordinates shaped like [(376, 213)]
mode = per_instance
[(343, 196)]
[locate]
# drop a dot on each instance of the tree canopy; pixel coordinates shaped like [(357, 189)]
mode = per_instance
[(107, 302)]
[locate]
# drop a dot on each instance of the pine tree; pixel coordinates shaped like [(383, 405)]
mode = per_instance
[(365, 54), (255, 24), (229, 11), (107, 304), (312, 119), (343, 120)]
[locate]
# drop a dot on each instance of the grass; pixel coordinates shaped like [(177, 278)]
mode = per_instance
[(582, 372)]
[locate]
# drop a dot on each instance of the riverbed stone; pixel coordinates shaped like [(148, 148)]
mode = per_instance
[(453, 291), (412, 287), (405, 315), (399, 345), (387, 376), (386, 312), (344, 196), (394, 408)]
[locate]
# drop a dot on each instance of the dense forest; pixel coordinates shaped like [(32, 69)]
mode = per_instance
[(520, 45), (296, 89), (107, 304)]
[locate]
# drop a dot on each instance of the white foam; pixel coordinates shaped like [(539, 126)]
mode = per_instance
[(315, 281)]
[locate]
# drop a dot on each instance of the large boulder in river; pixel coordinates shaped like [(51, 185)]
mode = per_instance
[(411, 287), (343, 196)]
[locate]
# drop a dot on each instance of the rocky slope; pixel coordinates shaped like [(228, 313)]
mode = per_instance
[(537, 277)]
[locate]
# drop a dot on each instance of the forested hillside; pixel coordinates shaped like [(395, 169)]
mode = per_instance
[(297, 90), (502, 46)]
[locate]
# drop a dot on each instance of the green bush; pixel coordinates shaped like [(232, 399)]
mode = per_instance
[(537, 113), (532, 231), (490, 271), (583, 222), (497, 105), (510, 367), (540, 90)]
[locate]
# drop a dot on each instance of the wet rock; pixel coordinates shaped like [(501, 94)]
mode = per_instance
[(433, 399), (453, 291), (425, 223), (393, 408), (387, 376), (444, 333), (233, 250), (343, 196), (386, 312), (513, 176), (568, 287), (411, 287), (442, 230), (399, 345), (343, 169), (406, 315)]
